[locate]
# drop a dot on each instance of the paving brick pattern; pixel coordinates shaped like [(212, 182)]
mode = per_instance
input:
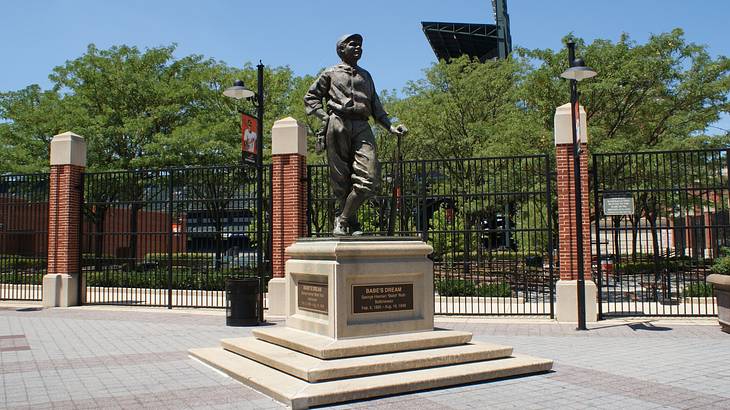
[(13, 343), (93, 357)]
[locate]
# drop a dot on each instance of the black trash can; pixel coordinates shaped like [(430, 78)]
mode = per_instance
[(242, 301), (534, 261)]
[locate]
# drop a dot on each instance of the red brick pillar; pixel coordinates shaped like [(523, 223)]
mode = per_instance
[(566, 308), (68, 161), (289, 201)]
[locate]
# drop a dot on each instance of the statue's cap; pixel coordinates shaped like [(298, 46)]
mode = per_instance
[(347, 37)]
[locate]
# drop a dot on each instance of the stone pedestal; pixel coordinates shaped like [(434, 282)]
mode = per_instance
[(349, 286), (360, 325)]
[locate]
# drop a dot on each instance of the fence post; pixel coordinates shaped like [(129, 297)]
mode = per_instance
[(566, 304), (68, 160), (289, 201)]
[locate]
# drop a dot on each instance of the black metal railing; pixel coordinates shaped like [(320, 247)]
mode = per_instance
[(489, 220), (170, 237), (662, 217), (23, 235)]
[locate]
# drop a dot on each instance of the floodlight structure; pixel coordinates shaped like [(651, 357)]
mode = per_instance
[(481, 41)]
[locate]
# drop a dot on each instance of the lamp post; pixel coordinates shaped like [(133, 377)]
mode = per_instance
[(577, 72), (238, 92)]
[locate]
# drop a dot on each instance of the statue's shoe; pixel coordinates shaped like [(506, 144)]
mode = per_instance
[(340, 228)]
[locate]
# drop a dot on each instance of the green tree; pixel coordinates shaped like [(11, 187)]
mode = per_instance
[(138, 109), (662, 94), (659, 95), (465, 109), (26, 128)]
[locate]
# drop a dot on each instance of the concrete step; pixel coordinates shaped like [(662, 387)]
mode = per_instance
[(313, 369), (300, 394), (324, 347)]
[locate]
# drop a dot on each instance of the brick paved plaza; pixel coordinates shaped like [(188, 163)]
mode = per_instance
[(97, 357)]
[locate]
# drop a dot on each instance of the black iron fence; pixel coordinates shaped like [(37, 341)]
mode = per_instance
[(23, 235), (662, 219), (170, 237), (489, 220)]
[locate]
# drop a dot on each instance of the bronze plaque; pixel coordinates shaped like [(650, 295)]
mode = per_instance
[(382, 298), (312, 296)]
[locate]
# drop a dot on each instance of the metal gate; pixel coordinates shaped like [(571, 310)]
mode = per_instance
[(662, 217), (489, 220), (170, 237), (23, 235)]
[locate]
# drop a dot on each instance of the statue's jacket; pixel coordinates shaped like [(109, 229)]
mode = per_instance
[(349, 93)]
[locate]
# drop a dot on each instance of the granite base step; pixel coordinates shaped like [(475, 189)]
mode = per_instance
[(324, 347), (314, 369), (300, 394)]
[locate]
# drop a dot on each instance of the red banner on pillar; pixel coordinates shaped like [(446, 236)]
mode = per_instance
[(249, 136)]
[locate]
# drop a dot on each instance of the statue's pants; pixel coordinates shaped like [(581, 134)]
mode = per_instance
[(354, 167)]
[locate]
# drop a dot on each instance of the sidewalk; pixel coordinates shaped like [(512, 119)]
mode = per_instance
[(114, 357)]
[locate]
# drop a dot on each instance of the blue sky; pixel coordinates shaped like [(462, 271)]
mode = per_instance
[(41, 34)]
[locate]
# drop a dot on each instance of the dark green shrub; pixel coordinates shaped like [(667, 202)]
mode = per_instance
[(637, 268), (671, 265), (183, 278), (460, 287), (502, 290), (722, 264), (189, 259), (698, 290), (455, 287), (15, 278), (103, 260), (17, 262)]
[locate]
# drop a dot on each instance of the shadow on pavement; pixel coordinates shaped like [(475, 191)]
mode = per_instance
[(648, 326)]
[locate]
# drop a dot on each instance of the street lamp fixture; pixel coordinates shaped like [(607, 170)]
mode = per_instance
[(238, 92), (577, 72)]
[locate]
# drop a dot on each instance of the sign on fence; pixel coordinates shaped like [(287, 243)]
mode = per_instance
[(618, 204)]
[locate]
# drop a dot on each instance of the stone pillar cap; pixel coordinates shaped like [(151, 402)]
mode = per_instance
[(563, 131), (68, 149), (288, 136)]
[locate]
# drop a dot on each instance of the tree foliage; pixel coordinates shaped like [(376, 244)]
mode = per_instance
[(26, 132), (661, 94), (149, 109), (466, 109), (137, 109)]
